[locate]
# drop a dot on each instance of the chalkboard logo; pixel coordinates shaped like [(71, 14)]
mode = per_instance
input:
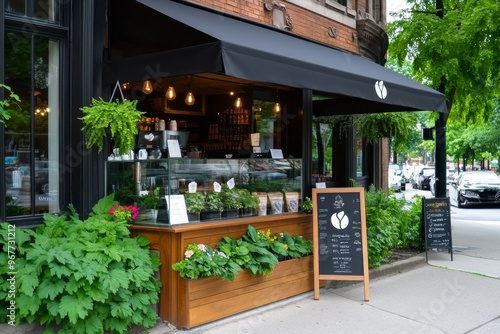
[(339, 202), (340, 220)]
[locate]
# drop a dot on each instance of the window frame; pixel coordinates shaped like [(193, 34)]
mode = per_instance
[(33, 27)]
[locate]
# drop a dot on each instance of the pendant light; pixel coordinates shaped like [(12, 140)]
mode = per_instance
[(147, 88), (238, 103), (189, 99), (170, 93), (277, 106)]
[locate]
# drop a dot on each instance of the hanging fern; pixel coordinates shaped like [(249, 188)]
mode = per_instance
[(121, 118)]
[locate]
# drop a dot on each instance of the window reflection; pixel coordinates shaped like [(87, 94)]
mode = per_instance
[(41, 9), (31, 136)]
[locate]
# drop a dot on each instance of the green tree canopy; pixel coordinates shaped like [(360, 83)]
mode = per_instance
[(463, 47)]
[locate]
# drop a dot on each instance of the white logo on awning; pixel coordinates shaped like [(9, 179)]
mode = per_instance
[(380, 89)]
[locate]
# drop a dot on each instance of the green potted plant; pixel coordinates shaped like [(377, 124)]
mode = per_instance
[(151, 202), (248, 202), (307, 205), (213, 206), (7, 101), (230, 202), (114, 119), (195, 202)]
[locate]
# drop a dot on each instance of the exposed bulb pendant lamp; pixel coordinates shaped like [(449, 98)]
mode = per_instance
[(189, 99), (277, 106), (170, 93), (238, 103), (147, 88)]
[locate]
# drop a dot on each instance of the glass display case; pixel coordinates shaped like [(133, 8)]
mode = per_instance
[(241, 188)]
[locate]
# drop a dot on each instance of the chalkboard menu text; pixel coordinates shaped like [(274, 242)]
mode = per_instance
[(437, 224)]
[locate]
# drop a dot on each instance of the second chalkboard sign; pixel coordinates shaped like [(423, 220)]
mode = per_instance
[(340, 235), (437, 224)]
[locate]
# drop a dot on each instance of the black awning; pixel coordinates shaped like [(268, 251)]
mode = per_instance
[(264, 54)]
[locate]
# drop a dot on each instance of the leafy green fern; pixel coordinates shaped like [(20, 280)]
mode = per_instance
[(120, 118), (89, 276)]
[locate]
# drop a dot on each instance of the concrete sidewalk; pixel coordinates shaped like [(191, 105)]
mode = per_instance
[(439, 297)]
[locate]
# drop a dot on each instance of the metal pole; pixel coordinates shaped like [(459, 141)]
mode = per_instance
[(440, 126)]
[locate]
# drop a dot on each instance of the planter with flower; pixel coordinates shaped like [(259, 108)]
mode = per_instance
[(124, 212), (240, 274), (195, 202)]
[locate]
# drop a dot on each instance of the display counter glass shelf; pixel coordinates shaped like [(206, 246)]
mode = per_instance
[(276, 185)]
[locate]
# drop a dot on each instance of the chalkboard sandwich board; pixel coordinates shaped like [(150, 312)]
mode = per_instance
[(437, 224), (339, 233)]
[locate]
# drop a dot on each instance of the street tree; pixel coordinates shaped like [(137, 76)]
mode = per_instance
[(462, 47)]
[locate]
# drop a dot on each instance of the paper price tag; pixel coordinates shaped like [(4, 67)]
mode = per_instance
[(230, 183), (217, 187), (192, 187)]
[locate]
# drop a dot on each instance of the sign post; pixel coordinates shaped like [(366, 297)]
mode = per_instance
[(339, 235), (437, 224)]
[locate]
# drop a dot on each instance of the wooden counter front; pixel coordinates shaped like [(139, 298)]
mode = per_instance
[(171, 242)]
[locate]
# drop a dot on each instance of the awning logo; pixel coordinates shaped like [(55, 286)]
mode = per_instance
[(380, 89)]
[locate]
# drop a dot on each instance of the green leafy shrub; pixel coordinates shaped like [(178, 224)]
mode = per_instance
[(89, 276), (391, 223)]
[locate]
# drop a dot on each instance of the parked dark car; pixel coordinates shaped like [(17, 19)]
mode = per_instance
[(424, 178), (473, 188)]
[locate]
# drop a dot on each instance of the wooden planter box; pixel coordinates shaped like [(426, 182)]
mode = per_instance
[(211, 298), (171, 243)]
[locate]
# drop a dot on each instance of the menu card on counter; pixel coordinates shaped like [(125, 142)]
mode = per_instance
[(339, 233), (174, 149), (176, 205)]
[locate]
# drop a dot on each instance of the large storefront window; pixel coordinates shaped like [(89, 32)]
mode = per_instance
[(31, 136)]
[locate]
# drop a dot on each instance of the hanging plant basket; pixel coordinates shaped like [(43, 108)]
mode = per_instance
[(116, 120)]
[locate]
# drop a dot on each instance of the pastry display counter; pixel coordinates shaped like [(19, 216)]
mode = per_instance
[(276, 182)]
